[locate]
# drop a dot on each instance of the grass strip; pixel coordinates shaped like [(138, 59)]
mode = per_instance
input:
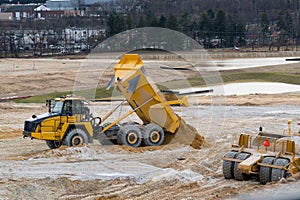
[(191, 82)]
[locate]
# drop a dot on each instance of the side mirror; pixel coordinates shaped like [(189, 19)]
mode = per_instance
[(48, 104)]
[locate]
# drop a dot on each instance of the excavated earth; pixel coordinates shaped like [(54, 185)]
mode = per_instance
[(179, 170)]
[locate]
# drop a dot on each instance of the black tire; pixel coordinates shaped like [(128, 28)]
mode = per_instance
[(153, 135), (108, 137), (265, 172), (278, 174), (130, 135), (112, 130), (53, 144), (228, 166), (237, 174), (76, 137)]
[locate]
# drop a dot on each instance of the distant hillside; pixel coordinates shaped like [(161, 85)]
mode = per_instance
[(243, 10)]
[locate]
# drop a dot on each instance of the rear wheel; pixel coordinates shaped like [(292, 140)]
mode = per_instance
[(76, 137), (53, 144), (130, 135), (265, 172), (153, 135), (237, 174), (278, 174), (228, 166)]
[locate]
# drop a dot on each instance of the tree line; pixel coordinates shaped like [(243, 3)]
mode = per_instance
[(212, 29), (273, 25)]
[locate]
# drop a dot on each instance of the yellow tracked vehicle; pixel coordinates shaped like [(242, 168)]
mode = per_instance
[(267, 156), (70, 123)]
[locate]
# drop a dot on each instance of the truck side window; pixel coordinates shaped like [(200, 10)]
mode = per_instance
[(67, 109), (73, 107), (77, 107)]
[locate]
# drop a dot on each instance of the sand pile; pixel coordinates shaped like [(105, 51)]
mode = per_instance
[(185, 134), (6, 133)]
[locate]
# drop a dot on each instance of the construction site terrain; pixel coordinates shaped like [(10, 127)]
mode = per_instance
[(30, 170)]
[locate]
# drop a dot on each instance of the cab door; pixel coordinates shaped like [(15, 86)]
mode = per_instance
[(72, 111)]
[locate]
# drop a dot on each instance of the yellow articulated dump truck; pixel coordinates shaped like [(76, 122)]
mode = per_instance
[(267, 156), (69, 122)]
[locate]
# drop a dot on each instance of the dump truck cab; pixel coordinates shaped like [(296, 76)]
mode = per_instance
[(68, 114), (72, 107)]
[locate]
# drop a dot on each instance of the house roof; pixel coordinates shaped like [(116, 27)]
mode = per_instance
[(42, 8), (15, 8)]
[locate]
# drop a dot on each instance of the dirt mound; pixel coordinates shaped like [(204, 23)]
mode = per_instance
[(5, 133), (142, 149), (185, 134)]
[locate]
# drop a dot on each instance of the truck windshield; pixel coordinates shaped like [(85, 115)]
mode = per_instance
[(57, 107)]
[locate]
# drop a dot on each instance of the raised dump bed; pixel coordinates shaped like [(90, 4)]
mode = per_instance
[(146, 99), (151, 107)]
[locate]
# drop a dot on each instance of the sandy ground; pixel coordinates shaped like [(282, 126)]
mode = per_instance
[(29, 170), (41, 76)]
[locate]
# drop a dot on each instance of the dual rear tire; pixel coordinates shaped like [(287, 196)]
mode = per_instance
[(266, 173), (153, 135), (269, 174), (132, 135), (230, 168)]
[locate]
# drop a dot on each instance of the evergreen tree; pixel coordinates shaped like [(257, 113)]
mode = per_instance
[(264, 24), (220, 26), (129, 22), (285, 22), (172, 23), (142, 22), (240, 29), (230, 32), (162, 21), (151, 20), (154, 22), (185, 23), (210, 14), (115, 24), (206, 28)]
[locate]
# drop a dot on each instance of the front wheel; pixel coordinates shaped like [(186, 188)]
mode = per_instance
[(76, 137), (53, 144)]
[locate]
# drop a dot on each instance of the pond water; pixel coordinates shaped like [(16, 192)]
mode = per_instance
[(247, 88), (242, 63), (255, 88)]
